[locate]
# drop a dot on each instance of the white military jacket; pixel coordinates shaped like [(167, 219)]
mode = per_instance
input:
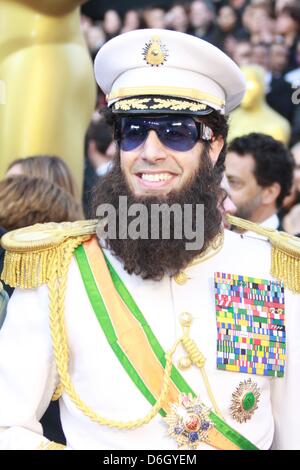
[(28, 375)]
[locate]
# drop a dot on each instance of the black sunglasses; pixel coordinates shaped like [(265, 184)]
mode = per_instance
[(179, 133)]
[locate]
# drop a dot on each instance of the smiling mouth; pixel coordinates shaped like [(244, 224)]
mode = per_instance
[(155, 177)]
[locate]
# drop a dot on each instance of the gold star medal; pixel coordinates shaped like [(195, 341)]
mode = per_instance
[(245, 401), (189, 422)]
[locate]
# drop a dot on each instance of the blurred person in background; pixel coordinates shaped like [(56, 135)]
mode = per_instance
[(202, 20), (258, 22), (291, 215), (86, 24), (154, 17), (227, 19), (242, 54), (25, 201), (95, 38), (177, 18), (111, 24), (261, 55), (278, 58), (47, 167), (279, 91), (132, 20), (227, 206), (293, 77), (296, 153), (288, 26), (280, 4), (259, 170), (100, 150), (228, 27), (230, 45), (238, 5), (100, 146)]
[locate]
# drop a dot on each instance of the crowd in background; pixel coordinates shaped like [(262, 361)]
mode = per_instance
[(262, 32)]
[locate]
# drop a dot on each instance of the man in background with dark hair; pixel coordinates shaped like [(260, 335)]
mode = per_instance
[(259, 170), (99, 150)]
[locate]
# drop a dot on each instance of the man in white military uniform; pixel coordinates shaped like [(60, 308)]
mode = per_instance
[(146, 344)]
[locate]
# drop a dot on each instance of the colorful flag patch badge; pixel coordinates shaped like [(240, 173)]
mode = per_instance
[(250, 325)]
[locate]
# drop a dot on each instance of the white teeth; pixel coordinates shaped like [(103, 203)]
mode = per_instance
[(156, 176)]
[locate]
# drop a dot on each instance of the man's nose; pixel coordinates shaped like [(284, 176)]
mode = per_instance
[(229, 206), (153, 150)]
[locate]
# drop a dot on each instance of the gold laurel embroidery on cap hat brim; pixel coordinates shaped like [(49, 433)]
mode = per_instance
[(176, 105), (133, 103), (188, 93), (158, 103)]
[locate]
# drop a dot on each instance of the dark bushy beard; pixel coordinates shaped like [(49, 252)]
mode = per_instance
[(152, 259)]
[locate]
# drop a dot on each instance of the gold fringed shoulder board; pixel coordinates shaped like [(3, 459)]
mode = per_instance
[(30, 251), (285, 264)]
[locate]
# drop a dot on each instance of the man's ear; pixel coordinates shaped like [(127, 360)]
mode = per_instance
[(215, 148), (271, 193)]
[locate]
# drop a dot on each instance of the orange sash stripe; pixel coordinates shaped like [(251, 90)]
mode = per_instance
[(133, 340), (131, 336)]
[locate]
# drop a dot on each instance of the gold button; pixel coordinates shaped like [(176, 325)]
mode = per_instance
[(181, 278), (184, 363), (185, 319)]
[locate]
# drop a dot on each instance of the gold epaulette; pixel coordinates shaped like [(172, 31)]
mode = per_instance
[(31, 252), (285, 264)]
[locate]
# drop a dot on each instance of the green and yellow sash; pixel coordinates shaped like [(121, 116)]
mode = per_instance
[(134, 343)]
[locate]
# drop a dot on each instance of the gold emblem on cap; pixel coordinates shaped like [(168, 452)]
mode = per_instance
[(154, 52), (245, 401)]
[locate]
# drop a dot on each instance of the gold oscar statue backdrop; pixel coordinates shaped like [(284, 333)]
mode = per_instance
[(47, 77), (254, 114)]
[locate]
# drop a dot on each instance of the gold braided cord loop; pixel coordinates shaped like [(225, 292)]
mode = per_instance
[(197, 358), (57, 291), (58, 280), (193, 351), (285, 264)]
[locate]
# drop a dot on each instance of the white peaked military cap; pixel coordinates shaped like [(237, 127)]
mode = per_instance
[(157, 70)]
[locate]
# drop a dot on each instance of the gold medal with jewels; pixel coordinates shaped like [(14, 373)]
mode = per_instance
[(189, 422), (245, 401)]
